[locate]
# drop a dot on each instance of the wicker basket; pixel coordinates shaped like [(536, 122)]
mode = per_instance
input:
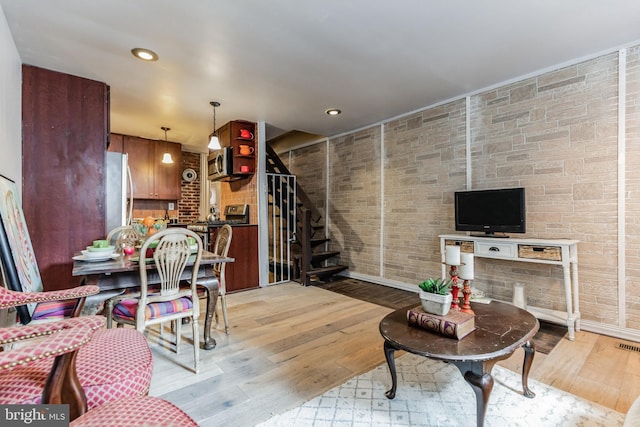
[(465, 246), (549, 253)]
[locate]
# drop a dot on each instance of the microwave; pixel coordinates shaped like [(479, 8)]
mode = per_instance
[(221, 165)]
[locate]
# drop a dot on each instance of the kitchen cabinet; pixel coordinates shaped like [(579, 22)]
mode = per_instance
[(153, 179), (243, 272), (116, 143), (240, 135), (64, 138)]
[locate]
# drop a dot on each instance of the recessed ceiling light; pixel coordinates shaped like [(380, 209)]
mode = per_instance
[(144, 54), (333, 111)]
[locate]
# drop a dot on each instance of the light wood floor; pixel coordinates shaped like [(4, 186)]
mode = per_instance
[(289, 344)]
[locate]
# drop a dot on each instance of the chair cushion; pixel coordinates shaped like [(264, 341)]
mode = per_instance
[(135, 411), (116, 363), (50, 310), (126, 309)]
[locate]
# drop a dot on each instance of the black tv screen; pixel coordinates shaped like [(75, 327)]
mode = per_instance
[(490, 211)]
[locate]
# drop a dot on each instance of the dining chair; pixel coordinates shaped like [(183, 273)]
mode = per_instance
[(167, 302), (221, 248), (120, 233), (104, 375), (57, 345)]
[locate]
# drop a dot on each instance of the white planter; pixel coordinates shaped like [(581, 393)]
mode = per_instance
[(436, 304)]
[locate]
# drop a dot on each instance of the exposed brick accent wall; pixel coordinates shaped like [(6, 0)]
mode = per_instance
[(632, 199), (309, 164), (424, 165), (555, 134), (355, 202), (189, 204)]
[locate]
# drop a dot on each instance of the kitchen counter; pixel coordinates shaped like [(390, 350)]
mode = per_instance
[(243, 273)]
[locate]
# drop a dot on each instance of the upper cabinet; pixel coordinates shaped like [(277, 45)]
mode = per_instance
[(240, 136), (152, 179)]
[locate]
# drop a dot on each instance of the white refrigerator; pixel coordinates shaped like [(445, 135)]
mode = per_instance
[(118, 191)]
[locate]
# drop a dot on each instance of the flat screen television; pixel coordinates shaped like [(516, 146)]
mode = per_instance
[(491, 211)]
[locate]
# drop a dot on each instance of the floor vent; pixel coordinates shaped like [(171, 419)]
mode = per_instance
[(628, 347)]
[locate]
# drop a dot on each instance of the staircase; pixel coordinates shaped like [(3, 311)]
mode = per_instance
[(310, 261)]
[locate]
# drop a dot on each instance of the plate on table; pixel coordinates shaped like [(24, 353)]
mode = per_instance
[(105, 257), (97, 255)]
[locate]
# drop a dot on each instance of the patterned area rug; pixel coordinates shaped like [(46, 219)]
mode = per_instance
[(433, 393)]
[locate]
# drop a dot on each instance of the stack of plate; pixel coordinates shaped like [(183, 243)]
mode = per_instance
[(93, 254)]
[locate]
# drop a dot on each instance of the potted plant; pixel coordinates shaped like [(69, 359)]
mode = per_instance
[(435, 296)]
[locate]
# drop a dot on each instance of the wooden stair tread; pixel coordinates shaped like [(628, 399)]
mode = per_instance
[(328, 270)]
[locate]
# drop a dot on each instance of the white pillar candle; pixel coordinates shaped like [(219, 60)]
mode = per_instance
[(466, 270), (452, 255)]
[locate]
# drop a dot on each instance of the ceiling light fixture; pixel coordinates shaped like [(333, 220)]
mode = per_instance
[(144, 54), (333, 111), (166, 157), (214, 142)]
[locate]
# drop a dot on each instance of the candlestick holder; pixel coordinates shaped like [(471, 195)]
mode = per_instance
[(454, 289), (466, 292)]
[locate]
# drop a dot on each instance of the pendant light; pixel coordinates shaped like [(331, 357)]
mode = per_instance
[(214, 143), (166, 157)]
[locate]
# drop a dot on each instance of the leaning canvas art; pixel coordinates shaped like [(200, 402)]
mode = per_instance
[(18, 258)]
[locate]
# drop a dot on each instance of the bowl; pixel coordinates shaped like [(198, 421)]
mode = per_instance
[(143, 231), (102, 251), (93, 254)]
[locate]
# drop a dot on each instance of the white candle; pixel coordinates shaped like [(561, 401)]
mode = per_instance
[(452, 255), (466, 270)]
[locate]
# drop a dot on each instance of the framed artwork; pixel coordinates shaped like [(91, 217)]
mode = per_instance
[(20, 269)]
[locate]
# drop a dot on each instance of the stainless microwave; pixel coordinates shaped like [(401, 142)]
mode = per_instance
[(221, 165)]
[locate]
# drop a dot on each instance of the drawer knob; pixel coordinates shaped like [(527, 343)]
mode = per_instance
[(494, 249)]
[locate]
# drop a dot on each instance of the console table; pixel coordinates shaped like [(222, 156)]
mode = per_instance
[(562, 252)]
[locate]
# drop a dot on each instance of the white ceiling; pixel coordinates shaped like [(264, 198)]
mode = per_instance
[(286, 61)]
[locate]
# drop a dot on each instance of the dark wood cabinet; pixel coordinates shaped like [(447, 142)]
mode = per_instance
[(243, 272), (240, 135), (64, 139), (116, 143), (153, 179)]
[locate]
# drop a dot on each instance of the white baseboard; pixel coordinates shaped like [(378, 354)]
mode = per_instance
[(381, 281), (610, 330)]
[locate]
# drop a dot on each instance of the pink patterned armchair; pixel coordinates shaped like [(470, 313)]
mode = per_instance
[(61, 340), (104, 374)]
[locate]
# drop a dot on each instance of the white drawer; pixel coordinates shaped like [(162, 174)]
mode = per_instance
[(496, 250)]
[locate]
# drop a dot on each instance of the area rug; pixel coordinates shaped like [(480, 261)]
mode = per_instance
[(433, 393)]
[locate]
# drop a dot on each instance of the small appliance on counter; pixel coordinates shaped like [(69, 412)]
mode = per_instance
[(233, 215)]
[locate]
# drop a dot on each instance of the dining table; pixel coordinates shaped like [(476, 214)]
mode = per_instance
[(121, 272)]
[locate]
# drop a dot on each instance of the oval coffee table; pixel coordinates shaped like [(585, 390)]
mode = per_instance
[(500, 329)]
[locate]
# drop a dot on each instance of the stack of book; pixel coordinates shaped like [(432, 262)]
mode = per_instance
[(455, 324)]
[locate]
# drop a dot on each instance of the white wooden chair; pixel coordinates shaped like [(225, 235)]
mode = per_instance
[(220, 247), (168, 301)]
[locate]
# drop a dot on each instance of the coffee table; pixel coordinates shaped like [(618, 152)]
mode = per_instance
[(501, 329)]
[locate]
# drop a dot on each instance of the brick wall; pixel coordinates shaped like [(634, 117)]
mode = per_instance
[(555, 134), (189, 204)]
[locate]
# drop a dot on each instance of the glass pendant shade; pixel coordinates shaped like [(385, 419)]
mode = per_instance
[(214, 143), (166, 157)]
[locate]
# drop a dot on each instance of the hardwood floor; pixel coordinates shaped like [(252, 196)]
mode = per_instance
[(290, 343)]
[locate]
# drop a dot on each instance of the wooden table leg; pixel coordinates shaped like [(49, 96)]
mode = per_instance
[(529, 353), (478, 375), (389, 355), (211, 289)]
